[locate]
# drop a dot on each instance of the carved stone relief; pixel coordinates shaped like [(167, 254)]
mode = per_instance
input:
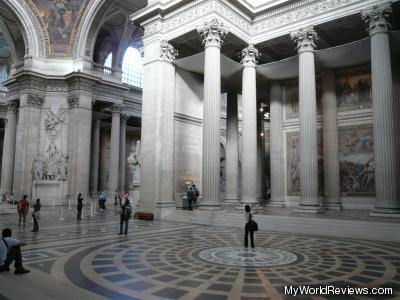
[(51, 165)]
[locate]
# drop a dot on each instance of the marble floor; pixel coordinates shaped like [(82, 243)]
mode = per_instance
[(168, 260)]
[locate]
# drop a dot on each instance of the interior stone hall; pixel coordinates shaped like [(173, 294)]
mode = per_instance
[(200, 125)]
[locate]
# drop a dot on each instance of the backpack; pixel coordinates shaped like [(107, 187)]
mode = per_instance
[(196, 193), (126, 213)]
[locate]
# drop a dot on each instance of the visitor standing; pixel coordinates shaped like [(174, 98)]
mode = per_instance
[(126, 212), (250, 227), (102, 200), (116, 195), (36, 215), (190, 196), (23, 209), (79, 206), (196, 195), (10, 250)]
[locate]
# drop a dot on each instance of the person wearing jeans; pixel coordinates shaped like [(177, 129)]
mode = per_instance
[(10, 250), (36, 215)]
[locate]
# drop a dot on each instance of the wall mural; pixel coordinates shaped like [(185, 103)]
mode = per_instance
[(354, 91), (357, 164), (292, 99), (59, 20), (293, 163)]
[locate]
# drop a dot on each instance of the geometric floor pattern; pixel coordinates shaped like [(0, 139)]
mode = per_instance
[(168, 260)]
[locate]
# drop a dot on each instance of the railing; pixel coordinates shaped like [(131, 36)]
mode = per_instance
[(102, 69)]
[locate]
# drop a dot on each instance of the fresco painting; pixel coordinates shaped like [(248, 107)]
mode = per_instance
[(292, 99), (59, 18), (354, 91), (357, 164), (293, 163)]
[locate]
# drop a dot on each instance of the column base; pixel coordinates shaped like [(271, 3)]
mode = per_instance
[(310, 209), (231, 200), (276, 203), (334, 206), (209, 206), (163, 209), (385, 212)]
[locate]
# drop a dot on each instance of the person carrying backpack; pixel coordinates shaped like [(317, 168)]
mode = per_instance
[(126, 212), (196, 195)]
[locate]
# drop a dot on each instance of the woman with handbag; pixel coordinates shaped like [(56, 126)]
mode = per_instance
[(250, 227), (36, 215)]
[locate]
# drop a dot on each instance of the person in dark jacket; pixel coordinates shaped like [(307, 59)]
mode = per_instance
[(36, 215), (190, 197), (125, 215), (79, 206), (248, 228)]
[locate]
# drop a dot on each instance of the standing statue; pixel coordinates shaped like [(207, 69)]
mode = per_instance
[(134, 165)]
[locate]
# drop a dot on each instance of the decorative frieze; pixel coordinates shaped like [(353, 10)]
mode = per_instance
[(35, 100), (305, 38), (212, 32), (377, 18), (167, 51), (250, 56)]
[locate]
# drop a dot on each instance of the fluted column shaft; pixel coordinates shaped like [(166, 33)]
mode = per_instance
[(114, 150), (386, 163), (249, 126), (232, 149), (307, 121), (276, 146), (260, 158), (122, 159), (95, 156), (213, 33), (330, 142), (7, 168)]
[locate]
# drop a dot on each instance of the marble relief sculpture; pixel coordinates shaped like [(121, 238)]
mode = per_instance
[(51, 165), (53, 119), (134, 165)]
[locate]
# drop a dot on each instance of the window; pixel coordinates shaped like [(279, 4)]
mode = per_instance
[(108, 61), (132, 68)]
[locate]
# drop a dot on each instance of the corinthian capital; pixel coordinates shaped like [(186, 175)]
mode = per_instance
[(12, 107), (212, 32), (73, 101), (116, 109), (250, 56), (168, 51), (377, 18), (305, 38)]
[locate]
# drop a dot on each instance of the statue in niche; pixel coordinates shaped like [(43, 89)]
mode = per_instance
[(51, 165), (134, 165)]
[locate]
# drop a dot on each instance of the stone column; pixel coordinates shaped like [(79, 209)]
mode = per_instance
[(165, 201), (277, 166), (232, 150), (79, 140), (7, 167), (260, 195), (122, 158), (305, 38), (387, 178), (27, 143), (114, 150), (213, 33), (249, 125), (330, 142), (95, 156), (156, 159)]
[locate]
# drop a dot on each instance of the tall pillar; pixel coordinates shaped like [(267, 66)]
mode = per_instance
[(277, 166), (232, 149), (330, 142), (249, 125), (114, 149), (122, 158), (79, 140), (27, 143), (260, 195), (7, 167), (213, 33), (95, 156), (387, 177), (165, 201), (305, 38), (156, 155)]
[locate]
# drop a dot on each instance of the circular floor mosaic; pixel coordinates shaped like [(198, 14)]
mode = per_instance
[(248, 257)]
